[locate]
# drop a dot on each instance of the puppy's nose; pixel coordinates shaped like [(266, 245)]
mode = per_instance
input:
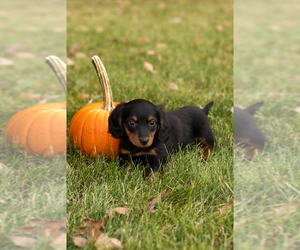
[(144, 141)]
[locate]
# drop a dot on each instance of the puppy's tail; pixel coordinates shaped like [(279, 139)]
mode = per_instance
[(207, 107), (251, 110)]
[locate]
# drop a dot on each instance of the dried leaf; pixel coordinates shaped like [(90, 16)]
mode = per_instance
[(172, 85), (59, 242), (120, 231), (275, 27), (92, 228), (99, 29), (219, 27), (149, 67), (176, 20), (151, 205), (154, 200), (59, 29), (151, 52), (70, 62), (287, 208), (4, 62), (105, 242), (144, 39), (2, 200), (23, 241), (119, 210), (24, 55), (79, 241), (297, 109), (161, 45), (225, 209), (80, 54), (2, 166)]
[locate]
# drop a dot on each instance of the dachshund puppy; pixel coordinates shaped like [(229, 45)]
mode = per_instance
[(148, 134), (246, 132)]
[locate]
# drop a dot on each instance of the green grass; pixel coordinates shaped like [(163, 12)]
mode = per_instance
[(30, 186), (194, 53), (266, 68)]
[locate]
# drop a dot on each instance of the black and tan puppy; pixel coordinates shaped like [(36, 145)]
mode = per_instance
[(148, 134), (246, 132)]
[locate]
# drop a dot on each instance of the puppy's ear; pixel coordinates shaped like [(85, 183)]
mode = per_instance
[(115, 126), (253, 107), (207, 107), (163, 125)]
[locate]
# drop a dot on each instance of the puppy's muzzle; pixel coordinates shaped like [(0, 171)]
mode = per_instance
[(144, 141)]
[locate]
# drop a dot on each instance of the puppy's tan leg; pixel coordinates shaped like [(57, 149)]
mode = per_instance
[(248, 148), (206, 149)]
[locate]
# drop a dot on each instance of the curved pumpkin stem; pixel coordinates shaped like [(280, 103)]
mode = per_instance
[(59, 69), (104, 82)]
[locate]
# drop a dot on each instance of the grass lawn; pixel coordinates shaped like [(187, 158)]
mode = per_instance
[(30, 186), (189, 43), (266, 67)]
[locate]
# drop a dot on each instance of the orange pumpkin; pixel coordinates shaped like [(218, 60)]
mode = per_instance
[(41, 129), (89, 126)]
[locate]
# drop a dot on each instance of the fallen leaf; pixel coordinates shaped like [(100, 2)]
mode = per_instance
[(219, 27), (297, 78), (59, 241), (162, 5), (119, 210), (225, 209), (70, 62), (32, 28), (154, 200), (2, 166), (161, 45), (59, 29), (149, 67), (84, 28), (176, 20), (105, 242), (287, 208), (2, 200), (5, 62), (92, 228), (23, 241), (144, 39), (291, 24), (79, 241), (275, 27), (99, 29), (120, 231), (24, 55), (151, 52), (172, 85), (80, 54)]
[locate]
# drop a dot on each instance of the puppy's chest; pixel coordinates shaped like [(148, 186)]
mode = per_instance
[(136, 152)]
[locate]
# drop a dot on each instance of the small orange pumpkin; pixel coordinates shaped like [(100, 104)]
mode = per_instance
[(89, 126), (41, 129)]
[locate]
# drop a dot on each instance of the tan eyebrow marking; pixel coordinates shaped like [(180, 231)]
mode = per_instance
[(150, 118)]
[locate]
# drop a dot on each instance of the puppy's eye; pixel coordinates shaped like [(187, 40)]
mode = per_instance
[(152, 123), (131, 123)]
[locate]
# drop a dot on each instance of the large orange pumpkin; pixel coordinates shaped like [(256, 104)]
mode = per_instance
[(41, 129), (89, 126)]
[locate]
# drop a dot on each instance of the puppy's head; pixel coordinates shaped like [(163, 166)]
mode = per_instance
[(139, 120)]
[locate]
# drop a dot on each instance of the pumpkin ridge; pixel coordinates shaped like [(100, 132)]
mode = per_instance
[(37, 116), (75, 129), (101, 111), (84, 125), (14, 125)]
